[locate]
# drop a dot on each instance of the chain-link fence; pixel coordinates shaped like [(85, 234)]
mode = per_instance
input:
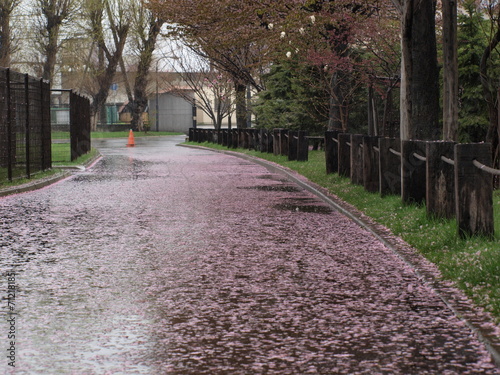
[(25, 144)]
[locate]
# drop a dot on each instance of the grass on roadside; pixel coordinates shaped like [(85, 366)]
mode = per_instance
[(472, 263), (61, 155), (5, 183)]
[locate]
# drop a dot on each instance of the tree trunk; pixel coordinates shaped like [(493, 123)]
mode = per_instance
[(337, 119), (493, 135), (105, 79), (450, 72), (51, 50), (218, 124), (141, 81), (387, 117), (241, 106), (371, 119), (5, 47), (419, 72)]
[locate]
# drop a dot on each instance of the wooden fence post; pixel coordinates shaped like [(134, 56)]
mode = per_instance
[(303, 146), (357, 159), (252, 139), (473, 190), (332, 151), (269, 141), (243, 138), (370, 164), (344, 154), (263, 140), (284, 142), (220, 138), (224, 137), (413, 171), (292, 144), (440, 179), (276, 141), (256, 139), (236, 137), (390, 166), (229, 138)]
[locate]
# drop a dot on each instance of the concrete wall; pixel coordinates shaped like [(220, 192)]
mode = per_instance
[(175, 114)]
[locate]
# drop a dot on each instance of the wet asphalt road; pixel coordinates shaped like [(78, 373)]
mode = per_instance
[(168, 260)]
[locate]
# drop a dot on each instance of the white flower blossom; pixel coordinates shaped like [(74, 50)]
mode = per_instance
[(283, 34), (288, 54), (301, 31), (271, 26), (313, 19)]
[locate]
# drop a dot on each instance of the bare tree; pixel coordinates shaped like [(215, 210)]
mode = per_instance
[(146, 27), (6, 9), (201, 84), (103, 15), (52, 15)]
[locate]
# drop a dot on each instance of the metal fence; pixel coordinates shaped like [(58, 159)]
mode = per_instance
[(70, 124), (25, 144), (79, 114)]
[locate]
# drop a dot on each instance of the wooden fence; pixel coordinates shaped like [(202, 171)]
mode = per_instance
[(293, 144), (453, 180)]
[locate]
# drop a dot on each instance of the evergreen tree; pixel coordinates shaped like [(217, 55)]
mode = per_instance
[(293, 99), (473, 115)]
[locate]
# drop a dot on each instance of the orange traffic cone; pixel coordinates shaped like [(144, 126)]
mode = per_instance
[(131, 142)]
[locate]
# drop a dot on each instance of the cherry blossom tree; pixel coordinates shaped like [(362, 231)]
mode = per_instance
[(349, 44)]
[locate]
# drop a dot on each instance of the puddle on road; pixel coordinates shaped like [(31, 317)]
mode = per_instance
[(121, 169), (273, 177), (283, 188), (303, 205)]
